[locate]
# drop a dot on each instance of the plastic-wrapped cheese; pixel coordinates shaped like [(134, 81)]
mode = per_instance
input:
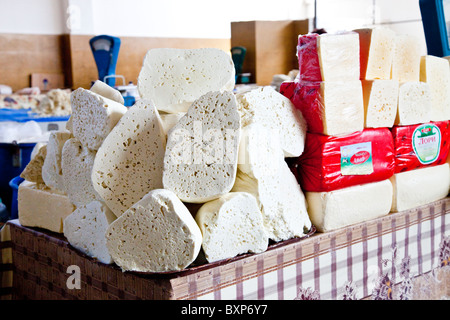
[(175, 78), (231, 225), (406, 59), (340, 208), (331, 163), (157, 234), (329, 107), (380, 103), (421, 186), (130, 161), (414, 103), (85, 230), (421, 145), (328, 57), (436, 72), (376, 52), (200, 162), (93, 117), (42, 207)]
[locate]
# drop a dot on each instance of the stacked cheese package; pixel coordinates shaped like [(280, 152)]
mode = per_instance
[(190, 166), (359, 91)]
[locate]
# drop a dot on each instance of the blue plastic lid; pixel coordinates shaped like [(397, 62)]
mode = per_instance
[(24, 115)]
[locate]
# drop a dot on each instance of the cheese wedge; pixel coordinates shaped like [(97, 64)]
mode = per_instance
[(77, 163), (419, 187), (414, 103), (200, 162), (157, 234), (231, 225), (85, 230), (380, 102), (107, 91), (93, 117), (33, 170), (340, 208), (406, 59), (43, 208), (175, 78), (131, 159)]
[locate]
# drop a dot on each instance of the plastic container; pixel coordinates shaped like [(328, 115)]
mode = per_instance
[(14, 184)]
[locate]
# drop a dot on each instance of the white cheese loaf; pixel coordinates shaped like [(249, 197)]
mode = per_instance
[(157, 234), (43, 208), (380, 102), (277, 113), (343, 207), (376, 52), (406, 59), (77, 163), (51, 169), (93, 117), (131, 159), (231, 225), (175, 78), (107, 91), (200, 162), (414, 103), (85, 230), (418, 187), (436, 72)]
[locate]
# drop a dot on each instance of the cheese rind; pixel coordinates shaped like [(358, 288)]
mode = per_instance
[(157, 234), (131, 159), (406, 58), (231, 225), (419, 187), (414, 103), (175, 78), (42, 208), (85, 230), (380, 102), (340, 208)]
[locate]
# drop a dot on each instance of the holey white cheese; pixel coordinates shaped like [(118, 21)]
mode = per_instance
[(157, 234), (130, 161), (51, 169), (200, 162), (175, 78)]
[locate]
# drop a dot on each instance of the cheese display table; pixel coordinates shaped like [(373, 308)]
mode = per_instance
[(404, 255)]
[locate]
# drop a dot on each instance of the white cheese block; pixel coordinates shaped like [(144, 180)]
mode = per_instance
[(51, 169), (436, 72), (200, 162), (107, 91), (77, 164), (406, 59), (414, 103), (380, 102), (175, 78), (43, 208), (231, 225), (420, 186), (376, 52), (340, 208), (131, 159), (157, 234), (85, 230), (93, 117), (279, 116), (169, 120)]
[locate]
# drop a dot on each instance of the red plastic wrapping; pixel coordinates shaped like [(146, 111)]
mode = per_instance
[(308, 58), (330, 163), (421, 145)]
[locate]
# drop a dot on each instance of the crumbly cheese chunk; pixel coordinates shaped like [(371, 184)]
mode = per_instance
[(340, 208), (175, 78), (406, 59), (131, 159), (418, 187), (43, 208), (93, 117), (200, 162), (107, 91), (414, 103), (52, 167), (436, 72), (380, 102), (157, 234), (33, 170), (277, 113), (77, 164), (85, 230), (231, 225)]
